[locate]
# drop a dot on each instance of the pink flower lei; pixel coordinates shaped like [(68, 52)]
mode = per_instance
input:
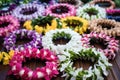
[(25, 73), (110, 43), (61, 10), (8, 24)]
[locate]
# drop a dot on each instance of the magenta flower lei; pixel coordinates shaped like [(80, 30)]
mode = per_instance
[(112, 44), (8, 24), (9, 41), (47, 72), (71, 11)]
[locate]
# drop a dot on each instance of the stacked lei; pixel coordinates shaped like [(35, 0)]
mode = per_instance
[(77, 24), (10, 40), (61, 10), (91, 12), (50, 70), (28, 11)]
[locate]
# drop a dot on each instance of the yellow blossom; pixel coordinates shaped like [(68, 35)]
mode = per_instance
[(1, 56), (11, 53), (81, 29), (38, 29), (5, 60)]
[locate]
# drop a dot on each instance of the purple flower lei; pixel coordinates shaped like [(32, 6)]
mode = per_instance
[(9, 41), (29, 11), (7, 10)]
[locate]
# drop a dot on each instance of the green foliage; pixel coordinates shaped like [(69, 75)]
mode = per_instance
[(42, 21), (60, 35), (117, 2), (91, 11)]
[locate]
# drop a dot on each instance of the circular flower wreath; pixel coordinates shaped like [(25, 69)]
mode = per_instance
[(5, 57), (110, 44), (8, 24), (94, 72), (59, 40), (41, 24), (10, 41), (25, 73), (7, 10), (76, 3), (28, 11), (91, 12), (109, 27), (111, 6), (61, 10), (77, 24), (113, 14)]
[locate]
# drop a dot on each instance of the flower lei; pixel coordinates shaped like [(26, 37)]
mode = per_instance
[(113, 14), (10, 41), (61, 10), (47, 72), (8, 24), (110, 43), (77, 24), (93, 73), (112, 4), (109, 27), (41, 24), (76, 3), (91, 12), (72, 38), (5, 57), (7, 10), (28, 11)]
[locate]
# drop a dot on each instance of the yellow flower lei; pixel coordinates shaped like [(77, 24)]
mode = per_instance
[(41, 29), (5, 57), (80, 29)]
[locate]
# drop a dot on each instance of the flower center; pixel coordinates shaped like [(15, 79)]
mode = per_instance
[(60, 9), (103, 4), (105, 25), (28, 11), (98, 43), (4, 24), (73, 2), (61, 38), (73, 23), (91, 11), (22, 40), (34, 63), (85, 64)]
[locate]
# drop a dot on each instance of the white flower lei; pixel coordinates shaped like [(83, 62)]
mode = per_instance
[(93, 73), (81, 12), (73, 43)]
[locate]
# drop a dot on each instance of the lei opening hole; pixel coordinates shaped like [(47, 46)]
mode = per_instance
[(1, 43), (44, 1), (99, 43), (104, 25), (28, 11), (61, 38), (91, 11), (23, 40), (60, 9), (68, 1), (85, 64), (34, 63), (114, 14), (73, 23), (103, 4), (4, 24)]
